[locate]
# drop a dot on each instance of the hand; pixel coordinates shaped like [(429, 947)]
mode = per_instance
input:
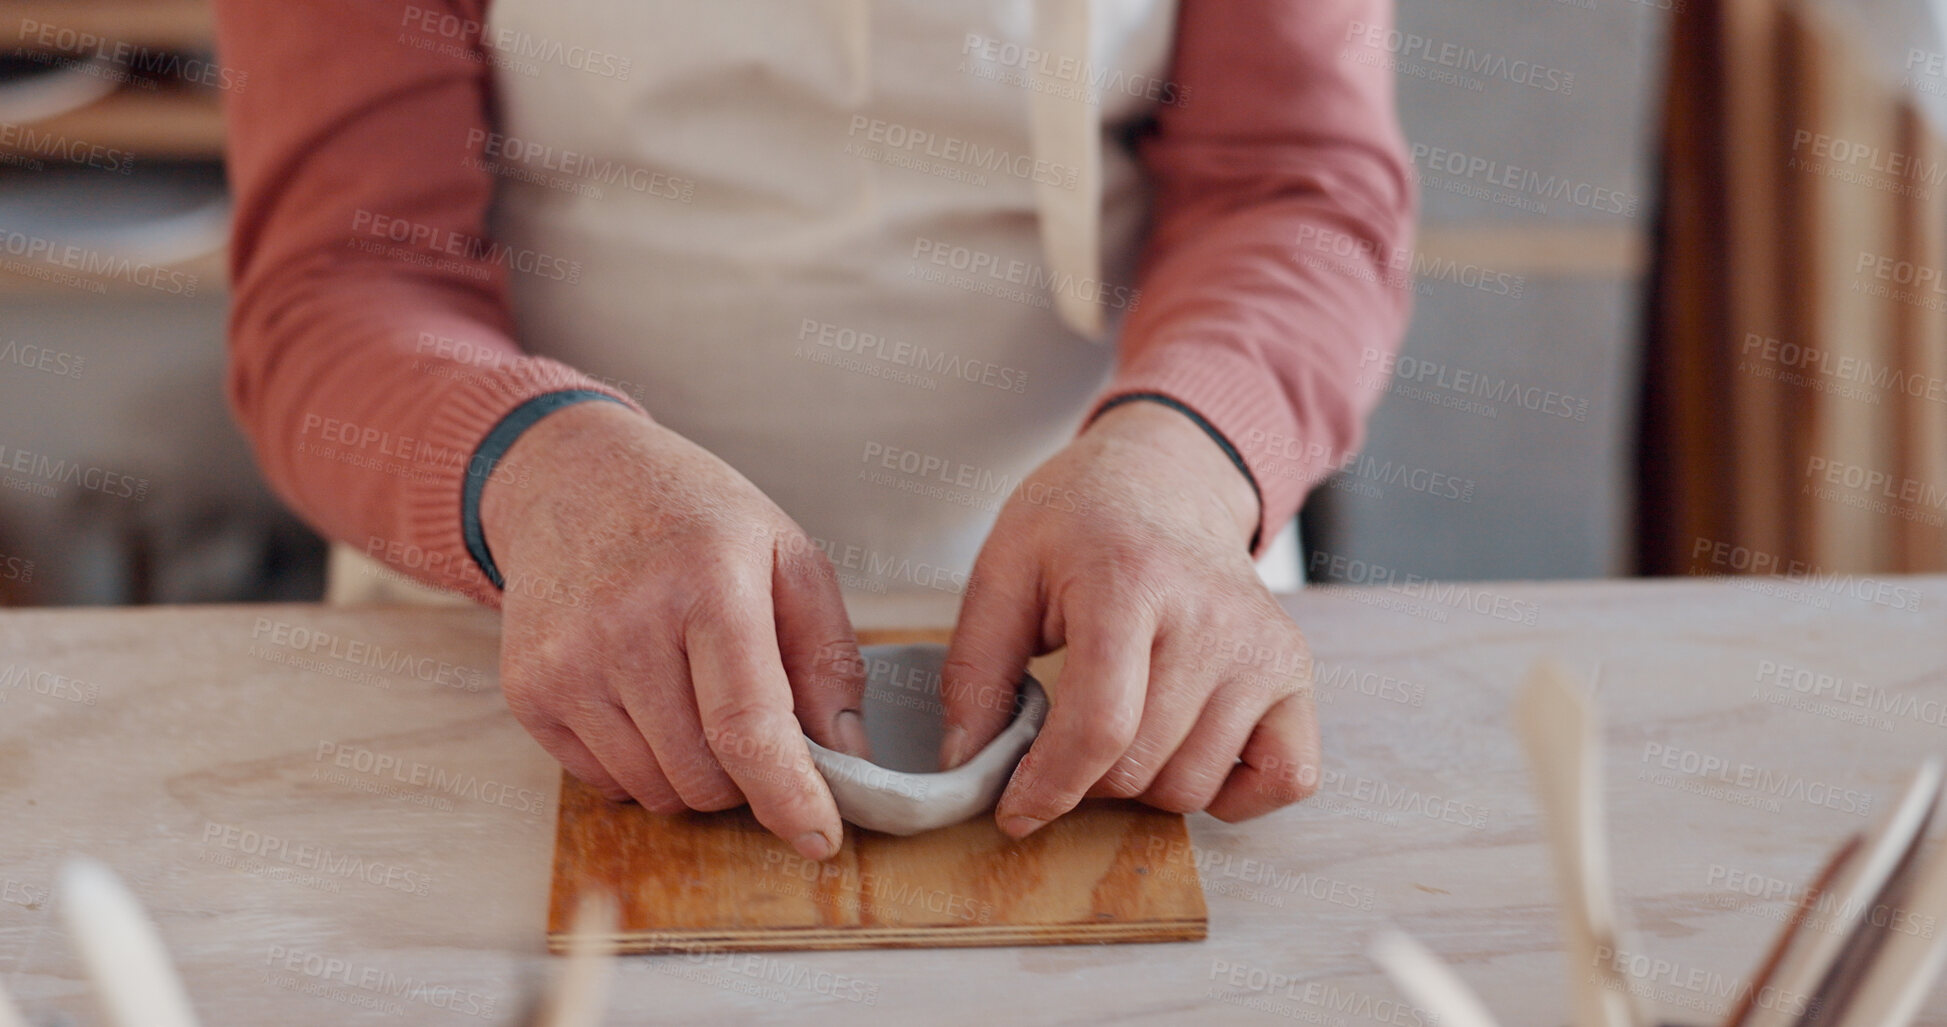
[(705, 621), (1129, 547)]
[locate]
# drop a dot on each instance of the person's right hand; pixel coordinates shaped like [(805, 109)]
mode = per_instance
[(705, 625)]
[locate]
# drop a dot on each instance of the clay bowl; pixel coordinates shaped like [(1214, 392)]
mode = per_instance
[(901, 789)]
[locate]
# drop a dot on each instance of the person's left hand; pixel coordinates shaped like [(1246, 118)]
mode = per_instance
[(1185, 685)]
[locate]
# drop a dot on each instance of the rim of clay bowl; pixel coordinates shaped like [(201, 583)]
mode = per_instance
[(899, 802)]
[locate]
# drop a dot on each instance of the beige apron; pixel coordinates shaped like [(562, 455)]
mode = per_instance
[(870, 252)]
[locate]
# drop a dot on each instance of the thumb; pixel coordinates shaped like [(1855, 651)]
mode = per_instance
[(998, 632), (819, 647)]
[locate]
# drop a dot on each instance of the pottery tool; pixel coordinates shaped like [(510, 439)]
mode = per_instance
[(580, 991), (708, 882), (9, 1015), (123, 952), (1555, 725), (1911, 957), (1427, 981), (1814, 961), (1861, 948)]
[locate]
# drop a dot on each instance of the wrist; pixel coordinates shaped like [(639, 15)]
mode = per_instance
[(548, 449), (1183, 443)]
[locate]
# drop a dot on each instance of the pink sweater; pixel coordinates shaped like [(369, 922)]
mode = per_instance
[(365, 382)]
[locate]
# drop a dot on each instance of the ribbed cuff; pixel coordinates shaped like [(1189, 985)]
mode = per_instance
[(1241, 403), (487, 457), (436, 501)]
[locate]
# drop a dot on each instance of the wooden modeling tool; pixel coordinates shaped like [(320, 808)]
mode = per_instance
[(579, 994), (1555, 725), (1861, 949), (9, 1014), (706, 882), (1826, 954), (1427, 981), (121, 949)]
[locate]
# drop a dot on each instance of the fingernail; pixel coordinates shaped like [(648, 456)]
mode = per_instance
[(951, 743), (814, 845), (849, 728), (1020, 827)]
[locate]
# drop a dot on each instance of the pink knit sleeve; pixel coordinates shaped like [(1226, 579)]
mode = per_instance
[(1279, 255), (370, 339)]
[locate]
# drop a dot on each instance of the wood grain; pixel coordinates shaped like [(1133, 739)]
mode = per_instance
[(719, 882)]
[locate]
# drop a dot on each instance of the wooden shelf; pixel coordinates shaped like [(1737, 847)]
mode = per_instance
[(162, 125), (158, 24), (1551, 251)]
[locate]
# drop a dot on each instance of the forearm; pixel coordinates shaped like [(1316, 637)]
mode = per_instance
[(1278, 264)]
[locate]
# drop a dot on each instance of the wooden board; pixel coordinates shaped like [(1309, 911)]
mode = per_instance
[(718, 882)]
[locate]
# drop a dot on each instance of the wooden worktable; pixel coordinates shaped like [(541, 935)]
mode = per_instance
[(197, 751)]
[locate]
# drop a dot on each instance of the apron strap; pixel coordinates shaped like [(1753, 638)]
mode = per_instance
[(1066, 130)]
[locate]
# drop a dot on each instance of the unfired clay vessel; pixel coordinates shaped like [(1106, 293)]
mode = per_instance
[(901, 790)]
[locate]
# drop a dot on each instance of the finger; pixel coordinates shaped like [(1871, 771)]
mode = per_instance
[(998, 631), (745, 702), (819, 648), (1281, 763), (567, 750), (653, 681), (1193, 776), (1096, 709), (611, 737), (1180, 686)]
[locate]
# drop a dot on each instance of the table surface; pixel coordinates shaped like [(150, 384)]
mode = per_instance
[(198, 751)]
